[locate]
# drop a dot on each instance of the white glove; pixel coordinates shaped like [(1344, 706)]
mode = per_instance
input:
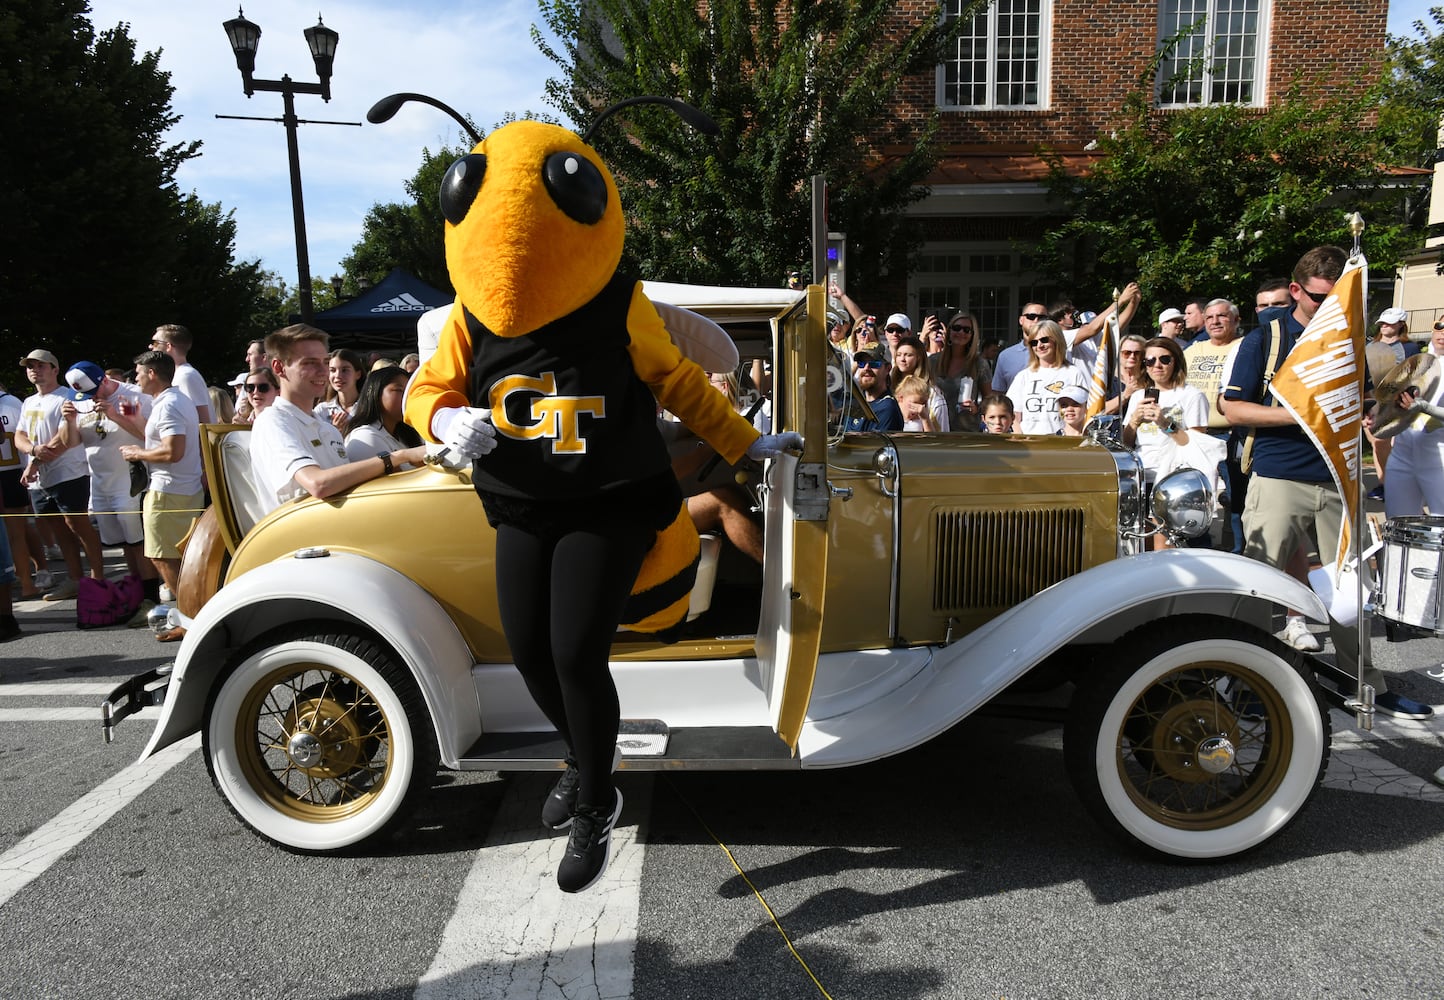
[(469, 434), (772, 445)]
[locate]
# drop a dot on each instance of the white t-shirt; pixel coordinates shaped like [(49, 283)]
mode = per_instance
[(190, 382), (1152, 440), (10, 458), (40, 419), (174, 415), (1034, 393), (1085, 355), (370, 441), (284, 440), (103, 439)]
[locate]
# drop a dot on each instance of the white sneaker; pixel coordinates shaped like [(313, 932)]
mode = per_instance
[(1297, 635), (166, 597)]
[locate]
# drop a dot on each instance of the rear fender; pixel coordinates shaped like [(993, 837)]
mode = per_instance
[(342, 588), (1094, 607)]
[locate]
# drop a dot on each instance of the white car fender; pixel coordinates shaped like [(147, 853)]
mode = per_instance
[(1096, 605), (339, 587)]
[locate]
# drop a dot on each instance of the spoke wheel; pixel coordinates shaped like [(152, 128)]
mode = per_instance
[(319, 741), (1201, 741)]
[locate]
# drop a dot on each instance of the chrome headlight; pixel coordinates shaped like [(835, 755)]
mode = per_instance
[(1183, 503)]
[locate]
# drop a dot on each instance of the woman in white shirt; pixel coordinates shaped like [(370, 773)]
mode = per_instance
[(910, 358), (1035, 390), (1416, 463), (377, 425)]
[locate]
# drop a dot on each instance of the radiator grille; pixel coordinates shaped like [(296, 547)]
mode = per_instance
[(994, 559)]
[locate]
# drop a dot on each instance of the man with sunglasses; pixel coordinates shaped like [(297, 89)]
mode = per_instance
[(871, 378), (1013, 360), (103, 416), (1290, 487)]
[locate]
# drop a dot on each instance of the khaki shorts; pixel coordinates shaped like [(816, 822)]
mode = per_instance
[(1278, 514), (168, 518)]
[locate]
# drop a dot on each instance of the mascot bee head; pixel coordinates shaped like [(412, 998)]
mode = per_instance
[(534, 225)]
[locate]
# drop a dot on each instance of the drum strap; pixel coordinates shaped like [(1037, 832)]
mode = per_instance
[(1276, 343)]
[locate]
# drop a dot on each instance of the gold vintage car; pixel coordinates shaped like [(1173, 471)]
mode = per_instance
[(339, 651)]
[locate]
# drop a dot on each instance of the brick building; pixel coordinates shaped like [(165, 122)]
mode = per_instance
[(1032, 73)]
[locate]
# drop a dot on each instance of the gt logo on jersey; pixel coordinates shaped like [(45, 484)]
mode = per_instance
[(555, 417)]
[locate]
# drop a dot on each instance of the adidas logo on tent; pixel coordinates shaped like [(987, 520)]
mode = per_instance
[(405, 302)]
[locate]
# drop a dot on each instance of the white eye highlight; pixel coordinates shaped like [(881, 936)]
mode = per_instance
[(572, 166)]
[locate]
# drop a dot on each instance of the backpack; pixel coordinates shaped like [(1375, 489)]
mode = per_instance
[(99, 603), (1271, 365)]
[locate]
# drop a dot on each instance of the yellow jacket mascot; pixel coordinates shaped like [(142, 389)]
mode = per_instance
[(547, 379)]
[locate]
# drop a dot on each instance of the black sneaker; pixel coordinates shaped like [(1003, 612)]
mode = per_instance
[(559, 805), (589, 847), (1400, 707), (562, 802), (9, 628)]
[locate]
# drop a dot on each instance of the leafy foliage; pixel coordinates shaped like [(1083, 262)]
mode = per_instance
[(798, 87), (98, 246), (1211, 201)]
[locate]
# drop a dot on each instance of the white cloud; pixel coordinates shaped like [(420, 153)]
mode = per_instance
[(479, 58)]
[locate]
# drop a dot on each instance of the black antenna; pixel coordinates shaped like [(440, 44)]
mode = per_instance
[(385, 109), (698, 120)]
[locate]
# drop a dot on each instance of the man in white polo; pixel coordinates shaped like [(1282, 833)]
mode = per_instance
[(294, 453), (172, 455)]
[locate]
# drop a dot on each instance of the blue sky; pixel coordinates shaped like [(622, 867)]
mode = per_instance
[(476, 56)]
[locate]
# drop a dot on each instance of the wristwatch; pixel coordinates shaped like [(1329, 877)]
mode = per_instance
[(386, 467)]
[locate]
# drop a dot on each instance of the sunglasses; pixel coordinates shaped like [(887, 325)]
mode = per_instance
[(1040, 340), (1130, 354), (1166, 359), (1318, 297), (869, 364), (1035, 316), (961, 328), (261, 387), (895, 329)]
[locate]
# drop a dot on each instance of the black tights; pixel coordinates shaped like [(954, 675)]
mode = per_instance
[(561, 599)]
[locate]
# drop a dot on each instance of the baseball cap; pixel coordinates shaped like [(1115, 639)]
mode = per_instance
[(1076, 393), (1167, 315), (1085, 317), (1393, 315), (898, 319), (39, 355), (85, 378), (239, 379), (862, 356)]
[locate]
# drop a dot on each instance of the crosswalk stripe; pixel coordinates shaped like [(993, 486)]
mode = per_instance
[(75, 713), (57, 689), (514, 934), (30, 858)]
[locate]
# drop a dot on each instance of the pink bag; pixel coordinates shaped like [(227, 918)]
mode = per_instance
[(99, 603)]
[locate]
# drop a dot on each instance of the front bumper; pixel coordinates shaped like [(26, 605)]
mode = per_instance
[(141, 691)]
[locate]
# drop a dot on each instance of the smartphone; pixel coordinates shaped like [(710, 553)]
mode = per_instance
[(1151, 394)]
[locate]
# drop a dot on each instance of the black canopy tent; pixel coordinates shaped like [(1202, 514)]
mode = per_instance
[(382, 318)]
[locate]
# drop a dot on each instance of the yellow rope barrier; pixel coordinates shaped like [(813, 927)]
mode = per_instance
[(775, 923)]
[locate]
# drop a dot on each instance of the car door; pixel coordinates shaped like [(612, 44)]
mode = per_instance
[(795, 509)]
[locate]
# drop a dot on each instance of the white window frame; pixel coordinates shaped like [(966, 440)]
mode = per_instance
[(1208, 40), (990, 102)]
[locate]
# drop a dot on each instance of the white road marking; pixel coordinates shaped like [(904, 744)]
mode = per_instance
[(30, 858), (78, 713), (514, 934), (58, 689)]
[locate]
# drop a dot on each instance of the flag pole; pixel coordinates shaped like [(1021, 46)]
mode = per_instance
[(1363, 705)]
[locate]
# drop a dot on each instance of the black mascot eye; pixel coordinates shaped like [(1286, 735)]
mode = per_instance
[(576, 186), (460, 185)]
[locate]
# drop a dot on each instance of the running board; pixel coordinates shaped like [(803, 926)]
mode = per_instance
[(646, 745)]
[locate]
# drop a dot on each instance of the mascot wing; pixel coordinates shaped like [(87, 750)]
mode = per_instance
[(698, 338)]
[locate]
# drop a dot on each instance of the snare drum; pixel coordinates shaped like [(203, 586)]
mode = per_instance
[(1410, 564)]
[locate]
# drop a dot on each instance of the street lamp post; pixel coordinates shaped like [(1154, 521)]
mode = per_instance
[(245, 37)]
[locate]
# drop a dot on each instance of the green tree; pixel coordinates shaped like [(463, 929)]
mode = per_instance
[(1212, 200), (1413, 92), (798, 87), (98, 246), (407, 234)]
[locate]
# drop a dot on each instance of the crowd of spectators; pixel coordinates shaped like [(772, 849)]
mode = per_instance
[(95, 458)]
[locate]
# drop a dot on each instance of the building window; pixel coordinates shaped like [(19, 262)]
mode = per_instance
[(1001, 56), (1218, 57)]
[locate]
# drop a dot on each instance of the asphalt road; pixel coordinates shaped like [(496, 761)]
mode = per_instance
[(965, 870)]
